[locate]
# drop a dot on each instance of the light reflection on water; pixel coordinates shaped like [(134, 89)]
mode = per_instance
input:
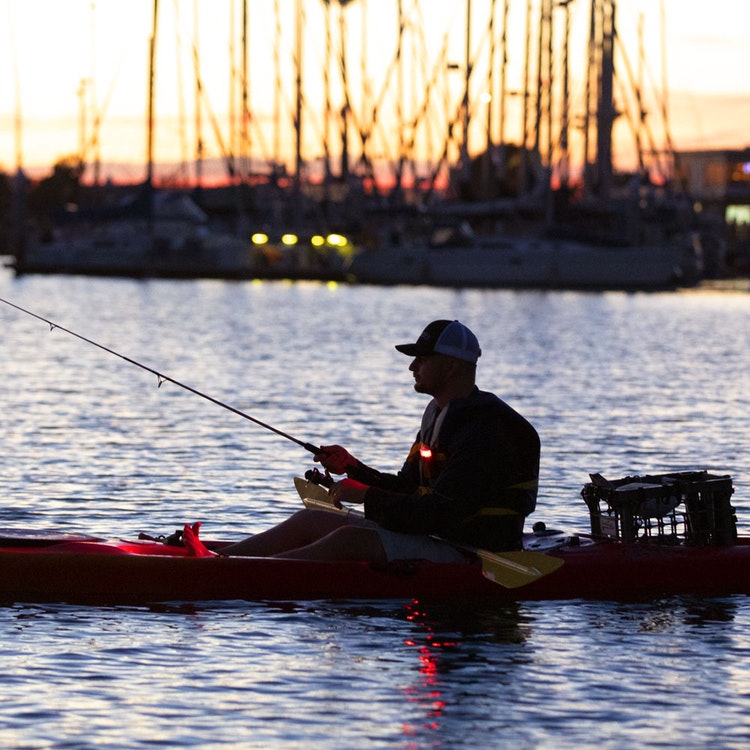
[(615, 383)]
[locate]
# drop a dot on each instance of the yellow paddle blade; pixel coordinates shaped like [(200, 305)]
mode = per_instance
[(514, 569), (307, 489), (316, 497)]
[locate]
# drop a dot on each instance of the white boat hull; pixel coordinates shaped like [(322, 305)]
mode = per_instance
[(529, 263)]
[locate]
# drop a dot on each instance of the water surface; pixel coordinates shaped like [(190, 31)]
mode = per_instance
[(615, 383)]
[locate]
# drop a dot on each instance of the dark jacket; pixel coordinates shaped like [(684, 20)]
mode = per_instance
[(474, 485)]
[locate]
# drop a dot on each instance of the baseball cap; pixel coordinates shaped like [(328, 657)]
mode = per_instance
[(445, 337)]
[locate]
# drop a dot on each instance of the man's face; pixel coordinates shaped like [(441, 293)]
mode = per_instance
[(430, 372)]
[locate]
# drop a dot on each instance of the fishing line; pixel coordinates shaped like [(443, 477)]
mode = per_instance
[(162, 378)]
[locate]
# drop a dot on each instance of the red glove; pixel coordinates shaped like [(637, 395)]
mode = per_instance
[(335, 459)]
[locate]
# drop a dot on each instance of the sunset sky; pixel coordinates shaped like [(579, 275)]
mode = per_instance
[(63, 60)]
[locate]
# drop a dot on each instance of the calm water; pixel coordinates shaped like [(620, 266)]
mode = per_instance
[(615, 383)]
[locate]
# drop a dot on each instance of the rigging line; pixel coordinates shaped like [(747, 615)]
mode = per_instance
[(162, 378)]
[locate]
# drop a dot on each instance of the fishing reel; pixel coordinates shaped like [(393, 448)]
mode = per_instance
[(316, 476)]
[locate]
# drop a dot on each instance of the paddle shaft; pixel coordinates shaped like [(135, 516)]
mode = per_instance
[(162, 378)]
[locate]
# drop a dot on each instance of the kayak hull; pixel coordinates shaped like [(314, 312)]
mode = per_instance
[(93, 572), (87, 570)]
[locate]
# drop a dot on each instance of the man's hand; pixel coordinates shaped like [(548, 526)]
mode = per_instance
[(335, 459), (348, 491)]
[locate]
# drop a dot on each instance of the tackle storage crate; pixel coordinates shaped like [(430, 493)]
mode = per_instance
[(688, 507)]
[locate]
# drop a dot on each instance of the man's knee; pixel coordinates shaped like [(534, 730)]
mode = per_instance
[(357, 543), (317, 522)]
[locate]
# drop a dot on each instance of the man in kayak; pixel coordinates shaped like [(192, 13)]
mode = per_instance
[(470, 478)]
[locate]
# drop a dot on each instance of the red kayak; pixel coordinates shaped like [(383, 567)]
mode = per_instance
[(684, 545), (87, 570)]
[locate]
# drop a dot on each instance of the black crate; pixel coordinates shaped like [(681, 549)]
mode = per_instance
[(689, 507)]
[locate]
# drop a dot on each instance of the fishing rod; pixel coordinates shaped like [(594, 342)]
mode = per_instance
[(162, 378)]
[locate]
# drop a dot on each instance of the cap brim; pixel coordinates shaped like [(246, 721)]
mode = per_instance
[(411, 350)]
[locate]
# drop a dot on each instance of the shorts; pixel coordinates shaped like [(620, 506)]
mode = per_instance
[(400, 546)]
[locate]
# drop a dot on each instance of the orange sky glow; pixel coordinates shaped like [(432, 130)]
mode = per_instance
[(64, 64)]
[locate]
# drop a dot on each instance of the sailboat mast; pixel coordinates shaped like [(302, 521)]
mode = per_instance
[(327, 96), (526, 96), (565, 125), (400, 98), (198, 102), (245, 129), (588, 167), (150, 115), (299, 23), (346, 109), (503, 77), (605, 109), (488, 141), (277, 91), (465, 166)]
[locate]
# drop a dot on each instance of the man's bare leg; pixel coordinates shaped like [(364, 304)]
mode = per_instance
[(300, 530), (343, 543)]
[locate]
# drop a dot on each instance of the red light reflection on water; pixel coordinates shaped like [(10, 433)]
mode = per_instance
[(426, 692)]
